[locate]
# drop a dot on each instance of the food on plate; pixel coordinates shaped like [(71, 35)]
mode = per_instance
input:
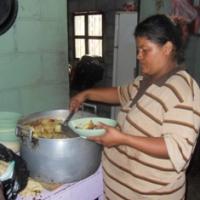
[(88, 125), (46, 128)]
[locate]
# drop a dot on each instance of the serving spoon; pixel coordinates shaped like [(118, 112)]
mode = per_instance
[(68, 118), (66, 129)]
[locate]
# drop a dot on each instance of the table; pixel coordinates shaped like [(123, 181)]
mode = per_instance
[(90, 188)]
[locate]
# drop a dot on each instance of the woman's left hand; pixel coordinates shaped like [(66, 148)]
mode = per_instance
[(111, 137)]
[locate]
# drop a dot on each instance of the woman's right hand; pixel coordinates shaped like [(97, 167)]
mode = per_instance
[(105, 95), (76, 101)]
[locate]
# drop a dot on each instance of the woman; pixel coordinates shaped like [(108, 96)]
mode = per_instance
[(159, 120)]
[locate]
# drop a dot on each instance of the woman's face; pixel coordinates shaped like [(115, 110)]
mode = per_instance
[(151, 56)]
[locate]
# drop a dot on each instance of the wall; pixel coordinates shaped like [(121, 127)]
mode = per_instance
[(150, 7), (193, 47), (33, 58), (109, 10)]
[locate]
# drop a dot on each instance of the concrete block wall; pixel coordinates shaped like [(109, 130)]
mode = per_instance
[(33, 58)]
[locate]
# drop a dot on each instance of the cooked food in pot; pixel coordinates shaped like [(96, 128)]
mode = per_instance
[(46, 128)]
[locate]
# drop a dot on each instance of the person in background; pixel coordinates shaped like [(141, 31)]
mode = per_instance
[(147, 156)]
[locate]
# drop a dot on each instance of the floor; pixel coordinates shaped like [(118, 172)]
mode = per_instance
[(193, 189)]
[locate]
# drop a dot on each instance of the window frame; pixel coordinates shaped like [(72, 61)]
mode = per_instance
[(86, 36)]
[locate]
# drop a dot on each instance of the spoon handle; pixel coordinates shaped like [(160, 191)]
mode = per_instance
[(68, 118)]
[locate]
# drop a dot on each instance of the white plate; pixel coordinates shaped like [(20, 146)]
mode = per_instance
[(77, 125)]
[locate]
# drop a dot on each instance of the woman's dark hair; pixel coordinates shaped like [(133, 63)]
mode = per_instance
[(161, 29)]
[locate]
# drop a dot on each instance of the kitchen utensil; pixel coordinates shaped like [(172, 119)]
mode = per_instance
[(65, 128), (58, 160), (65, 123)]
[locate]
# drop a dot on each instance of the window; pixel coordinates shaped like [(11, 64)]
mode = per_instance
[(88, 34)]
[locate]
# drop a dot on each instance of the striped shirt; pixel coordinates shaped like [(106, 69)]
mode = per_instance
[(168, 108)]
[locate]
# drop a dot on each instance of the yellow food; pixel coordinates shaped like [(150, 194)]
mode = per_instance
[(46, 128), (87, 125)]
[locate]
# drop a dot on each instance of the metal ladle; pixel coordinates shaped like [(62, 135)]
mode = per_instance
[(66, 129), (68, 118)]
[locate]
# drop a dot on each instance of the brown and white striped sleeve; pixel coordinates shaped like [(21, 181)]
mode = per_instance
[(180, 130)]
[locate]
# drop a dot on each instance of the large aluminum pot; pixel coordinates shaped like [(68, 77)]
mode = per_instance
[(58, 160)]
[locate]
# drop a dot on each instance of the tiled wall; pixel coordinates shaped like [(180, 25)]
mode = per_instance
[(33, 58)]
